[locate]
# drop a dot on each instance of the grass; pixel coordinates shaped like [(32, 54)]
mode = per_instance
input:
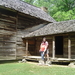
[(34, 69)]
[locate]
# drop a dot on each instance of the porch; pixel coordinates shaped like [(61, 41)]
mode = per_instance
[(37, 58), (61, 48)]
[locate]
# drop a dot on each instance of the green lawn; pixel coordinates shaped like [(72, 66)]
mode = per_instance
[(34, 69)]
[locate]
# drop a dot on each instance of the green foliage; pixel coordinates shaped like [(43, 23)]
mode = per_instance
[(29, 1), (60, 10), (63, 16)]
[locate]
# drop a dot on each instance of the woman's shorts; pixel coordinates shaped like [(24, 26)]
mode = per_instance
[(47, 51)]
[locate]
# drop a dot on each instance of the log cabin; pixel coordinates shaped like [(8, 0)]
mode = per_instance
[(17, 19), (61, 38)]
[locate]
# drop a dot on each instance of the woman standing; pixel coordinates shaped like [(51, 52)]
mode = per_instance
[(44, 49)]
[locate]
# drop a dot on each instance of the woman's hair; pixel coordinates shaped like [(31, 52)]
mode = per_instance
[(44, 38)]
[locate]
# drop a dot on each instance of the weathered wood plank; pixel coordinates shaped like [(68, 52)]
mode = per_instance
[(53, 55), (26, 47)]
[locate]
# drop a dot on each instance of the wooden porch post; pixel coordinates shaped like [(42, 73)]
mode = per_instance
[(69, 47), (53, 53), (26, 47)]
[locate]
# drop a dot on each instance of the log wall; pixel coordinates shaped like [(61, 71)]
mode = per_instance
[(65, 46), (20, 48), (7, 37), (12, 27), (73, 46), (72, 37)]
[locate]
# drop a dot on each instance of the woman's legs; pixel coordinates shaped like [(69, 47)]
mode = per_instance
[(42, 56), (47, 54)]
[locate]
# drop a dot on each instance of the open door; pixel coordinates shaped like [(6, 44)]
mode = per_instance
[(59, 45)]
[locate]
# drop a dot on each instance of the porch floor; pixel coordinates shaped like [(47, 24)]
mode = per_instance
[(51, 59)]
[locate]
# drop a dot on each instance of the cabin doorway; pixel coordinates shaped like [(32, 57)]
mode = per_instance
[(59, 45)]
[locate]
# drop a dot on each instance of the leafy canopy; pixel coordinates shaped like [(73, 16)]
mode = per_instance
[(60, 10)]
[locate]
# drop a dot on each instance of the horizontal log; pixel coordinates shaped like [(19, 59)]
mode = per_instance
[(11, 40), (1, 31), (7, 47), (7, 58), (2, 26), (8, 20), (10, 29), (1, 39), (6, 16), (7, 25), (7, 53), (19, 39), (20, 48), (19, 55), (1, 44), (20, 43), (20, 52), (19, 36)]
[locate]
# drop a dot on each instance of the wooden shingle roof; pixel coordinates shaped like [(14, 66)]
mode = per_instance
[(54, 28), (26, 9)]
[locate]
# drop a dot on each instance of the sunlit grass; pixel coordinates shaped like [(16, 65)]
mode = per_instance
[(34, 69)]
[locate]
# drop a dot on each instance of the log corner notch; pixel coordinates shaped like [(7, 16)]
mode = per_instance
[(26, 47), (69, 47)]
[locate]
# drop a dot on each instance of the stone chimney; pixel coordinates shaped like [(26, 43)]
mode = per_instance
[(44, 9)]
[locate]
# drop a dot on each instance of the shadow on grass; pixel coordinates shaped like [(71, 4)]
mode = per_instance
[(61, 63), (8, 61)]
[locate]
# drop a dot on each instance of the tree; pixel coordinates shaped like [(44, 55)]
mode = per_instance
[(29, 1), (65, 5), (60, 10), (63, 16)]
